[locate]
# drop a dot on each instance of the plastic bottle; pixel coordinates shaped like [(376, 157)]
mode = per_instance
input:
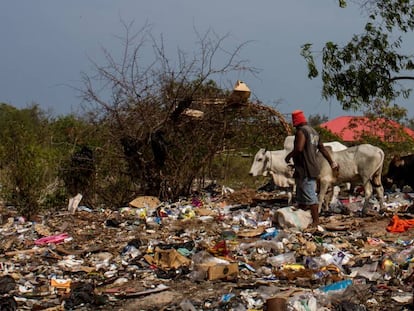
[(279, 260), (337, 286), (267, 244)]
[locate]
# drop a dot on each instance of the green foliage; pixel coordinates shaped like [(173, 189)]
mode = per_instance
[(396, 14), (25, 155), (55, 200), (231, 169), (385, 109), (327, 135), (43, 161), (306, 53), (70, 131), (33, 149), (363, 69), (370, 65), (409, 123), (79, 172), (317, 119)]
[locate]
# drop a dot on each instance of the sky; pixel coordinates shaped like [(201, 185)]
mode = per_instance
[(47, 44)]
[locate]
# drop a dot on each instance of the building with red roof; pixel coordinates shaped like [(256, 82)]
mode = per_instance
[(351, 128)]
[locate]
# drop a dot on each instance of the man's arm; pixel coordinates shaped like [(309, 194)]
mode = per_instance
[(298, 146)]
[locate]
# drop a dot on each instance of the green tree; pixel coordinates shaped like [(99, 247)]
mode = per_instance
[(26, 157), (76, 142), (410, 123), (317, 119), (372, 65)]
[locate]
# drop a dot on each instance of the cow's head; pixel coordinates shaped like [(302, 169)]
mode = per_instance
[(260, 165)]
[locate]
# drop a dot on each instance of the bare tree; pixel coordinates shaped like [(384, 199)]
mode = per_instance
[(153, 145)]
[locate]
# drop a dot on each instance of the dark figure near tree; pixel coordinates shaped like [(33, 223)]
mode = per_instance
[(400, 172)]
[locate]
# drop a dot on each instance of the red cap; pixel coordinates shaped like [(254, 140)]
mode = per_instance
[(298, 117)]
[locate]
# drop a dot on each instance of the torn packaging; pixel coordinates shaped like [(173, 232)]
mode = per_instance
[(167, 259)]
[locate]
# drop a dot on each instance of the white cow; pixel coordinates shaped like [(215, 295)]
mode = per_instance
[(335, 145), (361, 164), (273, 162)]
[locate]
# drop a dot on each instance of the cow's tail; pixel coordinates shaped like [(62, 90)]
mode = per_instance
[(376, 177)]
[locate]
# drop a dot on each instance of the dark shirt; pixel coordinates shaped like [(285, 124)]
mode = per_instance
[(306, 164)]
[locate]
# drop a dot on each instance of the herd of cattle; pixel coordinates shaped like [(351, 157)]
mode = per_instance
[(359, 165)]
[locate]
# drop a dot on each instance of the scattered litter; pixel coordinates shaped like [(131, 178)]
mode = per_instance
[(229, 250)]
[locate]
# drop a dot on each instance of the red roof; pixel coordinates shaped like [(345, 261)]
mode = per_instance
[(351, 128)]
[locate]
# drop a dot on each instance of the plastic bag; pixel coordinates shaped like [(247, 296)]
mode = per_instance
[(290, 217), (280, 260)]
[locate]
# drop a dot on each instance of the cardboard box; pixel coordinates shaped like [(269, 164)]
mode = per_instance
[(167, 259), (223, 271)]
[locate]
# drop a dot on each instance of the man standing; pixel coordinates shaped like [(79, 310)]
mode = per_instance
[(304, 154)]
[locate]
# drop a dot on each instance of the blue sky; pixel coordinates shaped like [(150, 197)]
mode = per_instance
[(46, 44)]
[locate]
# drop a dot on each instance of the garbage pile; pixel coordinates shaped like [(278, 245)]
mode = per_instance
[(241, 250)]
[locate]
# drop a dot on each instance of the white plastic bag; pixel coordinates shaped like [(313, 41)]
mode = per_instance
[(74, 203), (290, 217)]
